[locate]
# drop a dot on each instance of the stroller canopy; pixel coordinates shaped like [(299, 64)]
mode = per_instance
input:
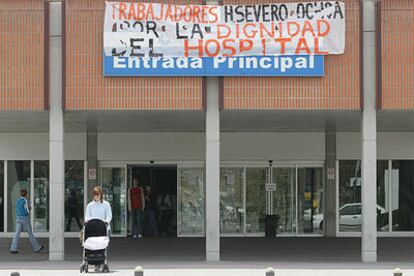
[(95, 228)]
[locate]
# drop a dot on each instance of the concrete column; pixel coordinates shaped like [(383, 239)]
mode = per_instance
[(369, 136), (213, 166), (213, 171), (329, 216), (56, 128), (92, 156)]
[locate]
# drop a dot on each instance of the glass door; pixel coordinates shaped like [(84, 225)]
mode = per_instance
[(74, 195), (284, 199), (190, 207), (309, 200), (255, 199), (232, 200), (18, 177), (112, 181), (41, 196)]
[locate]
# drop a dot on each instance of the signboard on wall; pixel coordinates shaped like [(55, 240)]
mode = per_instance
[(294, 66), (263, 39)]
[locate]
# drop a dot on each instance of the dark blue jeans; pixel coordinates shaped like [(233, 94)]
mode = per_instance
[(137, 220)]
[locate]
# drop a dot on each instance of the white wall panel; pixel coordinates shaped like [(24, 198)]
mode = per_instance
[(390, 145), (28, 146), (191, 146)]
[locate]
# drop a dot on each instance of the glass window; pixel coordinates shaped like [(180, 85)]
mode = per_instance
[(382, 196), (74, 192), (191, 201), (18, 177), (402, 195), (349, 195), (255, 199), (41, 196), (231, 200), (1, 196)]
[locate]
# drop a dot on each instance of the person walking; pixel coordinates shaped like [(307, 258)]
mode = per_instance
[(23, 223), (99, 208), (136, 206)]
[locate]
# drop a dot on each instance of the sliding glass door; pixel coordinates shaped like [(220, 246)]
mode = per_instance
[(112, 181), (293, 192)]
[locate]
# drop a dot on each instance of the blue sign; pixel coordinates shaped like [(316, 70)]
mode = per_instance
[(276, 66)]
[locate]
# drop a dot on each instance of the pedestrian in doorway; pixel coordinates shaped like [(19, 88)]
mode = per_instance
[(136, 206), (150, 210), (73, 210), (23, 223)]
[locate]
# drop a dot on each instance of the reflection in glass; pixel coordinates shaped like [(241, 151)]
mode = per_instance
[(18, 177), (350, 219), (349, 195), (231, 200), (74, 193), (382, 196), (284, 200), (114, 189), (402, 195), (191, 201), (41, 196), (255, 199), (1, 196), (310, 198)]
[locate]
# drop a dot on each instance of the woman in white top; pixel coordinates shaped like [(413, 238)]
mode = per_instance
[(98, 208)]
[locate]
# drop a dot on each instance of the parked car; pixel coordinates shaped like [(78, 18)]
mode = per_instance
[(349, 217)]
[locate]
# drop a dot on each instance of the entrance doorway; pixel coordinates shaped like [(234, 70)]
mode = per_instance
[(294, 192), (161, 213), (298, 199)]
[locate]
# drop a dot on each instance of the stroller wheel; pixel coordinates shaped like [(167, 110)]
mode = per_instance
[(106, 268)]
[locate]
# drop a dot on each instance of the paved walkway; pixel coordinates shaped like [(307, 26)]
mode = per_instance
[(220, 272), (243, 253)]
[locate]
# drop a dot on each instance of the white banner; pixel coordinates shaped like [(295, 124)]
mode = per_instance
[(165, 30)]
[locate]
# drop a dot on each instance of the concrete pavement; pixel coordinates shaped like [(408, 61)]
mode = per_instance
[(218, 272), (290, 256)]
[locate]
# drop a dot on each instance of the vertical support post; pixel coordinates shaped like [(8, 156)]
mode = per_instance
[(213, 170), (92, 156), (56, 150), (369, 135), (329, 221)]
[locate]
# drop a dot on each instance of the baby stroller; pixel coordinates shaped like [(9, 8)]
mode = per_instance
[(95, 244)]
